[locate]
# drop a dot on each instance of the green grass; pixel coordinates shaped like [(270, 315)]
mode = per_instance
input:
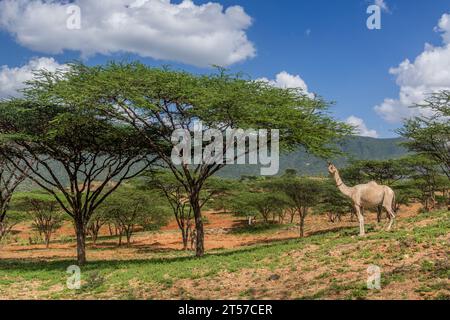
[(259, 228), (163, 270)]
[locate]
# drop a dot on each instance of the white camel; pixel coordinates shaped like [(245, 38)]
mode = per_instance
[(366, 195)]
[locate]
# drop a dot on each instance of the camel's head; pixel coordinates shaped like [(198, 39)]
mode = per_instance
[(331, 168)]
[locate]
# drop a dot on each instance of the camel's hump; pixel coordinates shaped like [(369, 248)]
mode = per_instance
[(373, 183)]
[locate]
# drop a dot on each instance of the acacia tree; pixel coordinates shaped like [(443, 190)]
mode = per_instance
[(96, 222), (71, 151), (303, 194), (333, 202), (386, 172), (45, 212), (10, 179), (260, 203), (425, 174), (129, 208), (158, 101), (166, 184), (429, 134)]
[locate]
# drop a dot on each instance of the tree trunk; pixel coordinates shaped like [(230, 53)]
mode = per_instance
[(120, 238), (292, 219), (81, 242), (302, 222), (47, 241), (185, 238), (199, 245), (128, 234)]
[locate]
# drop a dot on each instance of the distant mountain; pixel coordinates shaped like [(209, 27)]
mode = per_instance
[(357, 148)]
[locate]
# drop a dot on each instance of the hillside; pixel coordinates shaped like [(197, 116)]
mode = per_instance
[(358, 148)]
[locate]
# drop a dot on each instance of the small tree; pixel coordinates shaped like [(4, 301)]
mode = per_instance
[(333, 203), (429, 134), (405, 193), (169, 187), (97, 221), (130, 208), (425, 175), (47, 218), (303, 194), (267, 205)]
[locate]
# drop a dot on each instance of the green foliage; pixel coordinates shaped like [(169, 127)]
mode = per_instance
[(429, 135), (332, 202), (215, 99), (267, 205), (302, 194), (130, 207), (425, 177), (385, 172), (45, 212)]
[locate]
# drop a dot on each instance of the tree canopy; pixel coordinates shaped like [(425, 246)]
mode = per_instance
[(429, 133)]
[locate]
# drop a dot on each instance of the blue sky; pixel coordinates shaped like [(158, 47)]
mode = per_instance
[(324, 42)]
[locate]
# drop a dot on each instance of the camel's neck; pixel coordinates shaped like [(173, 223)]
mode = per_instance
[(341, 185)]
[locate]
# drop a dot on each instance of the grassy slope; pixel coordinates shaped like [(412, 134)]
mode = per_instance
[(413, 259)]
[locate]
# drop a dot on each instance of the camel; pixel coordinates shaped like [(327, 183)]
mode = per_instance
[(366, 195)]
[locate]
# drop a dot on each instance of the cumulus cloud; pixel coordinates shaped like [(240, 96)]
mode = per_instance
[(287, 80), (12, 79), (199, 35), (360, 127), (428, 73)]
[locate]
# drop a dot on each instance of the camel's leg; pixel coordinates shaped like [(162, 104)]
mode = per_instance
[(379, 213), (391, 217), (360, 215), (388, 205)]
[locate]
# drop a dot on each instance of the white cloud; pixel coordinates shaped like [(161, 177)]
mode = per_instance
[(383, 5), (185, 32), (360, 127), (444, 27), (12, 79), (430, 72), (286, 80)]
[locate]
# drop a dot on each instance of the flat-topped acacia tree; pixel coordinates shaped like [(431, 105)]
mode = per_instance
[(69, 149), (157, 101)]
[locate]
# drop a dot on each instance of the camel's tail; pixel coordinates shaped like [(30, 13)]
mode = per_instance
[(394, 204)]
